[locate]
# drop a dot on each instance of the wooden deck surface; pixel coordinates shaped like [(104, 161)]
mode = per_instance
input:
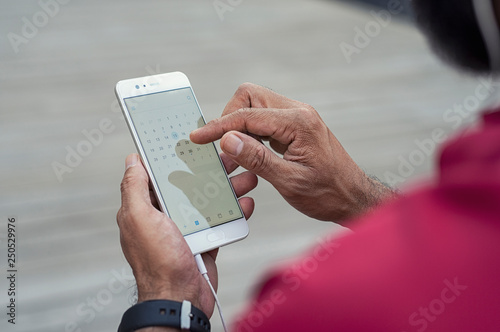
[(71, 272)]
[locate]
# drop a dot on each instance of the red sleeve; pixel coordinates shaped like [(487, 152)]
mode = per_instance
[(411, 266)]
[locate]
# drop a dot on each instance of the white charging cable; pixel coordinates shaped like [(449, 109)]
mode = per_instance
[(204, 273)]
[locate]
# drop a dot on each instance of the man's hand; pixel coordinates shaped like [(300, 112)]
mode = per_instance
[(163, 265), (315, 174)]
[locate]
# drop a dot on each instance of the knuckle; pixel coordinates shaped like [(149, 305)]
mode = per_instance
[(258, 159), (128, 181), (243, 112), (125, 184), (244, 89), (130, 218), (239, 119), (122, 215), (307, 112), (308, 117), (125, 220), (119, 215)]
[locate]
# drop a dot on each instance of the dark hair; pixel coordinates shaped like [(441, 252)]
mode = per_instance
[(453, 32)]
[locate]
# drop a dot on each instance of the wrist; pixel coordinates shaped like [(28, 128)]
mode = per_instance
[(148, 291), (373, 194), (365, 194)]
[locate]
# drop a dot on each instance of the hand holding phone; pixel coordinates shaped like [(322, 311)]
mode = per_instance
[(155, 248), (189, 180)]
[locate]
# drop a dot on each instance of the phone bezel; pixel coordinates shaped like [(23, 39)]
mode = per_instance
[(201, 241)]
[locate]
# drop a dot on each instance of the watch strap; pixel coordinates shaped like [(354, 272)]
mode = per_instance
[(180, 315)]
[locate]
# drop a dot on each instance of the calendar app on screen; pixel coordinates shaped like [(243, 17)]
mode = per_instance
[(190, 177)]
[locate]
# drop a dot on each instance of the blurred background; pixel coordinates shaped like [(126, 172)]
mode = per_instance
[(368, 73)]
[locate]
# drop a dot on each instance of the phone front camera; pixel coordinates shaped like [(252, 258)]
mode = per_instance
[(137, 87)]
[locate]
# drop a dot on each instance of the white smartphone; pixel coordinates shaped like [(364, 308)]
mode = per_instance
[(189, 180)]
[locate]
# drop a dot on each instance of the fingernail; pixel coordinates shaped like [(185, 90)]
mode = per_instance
[(131, 161), (233, 145)]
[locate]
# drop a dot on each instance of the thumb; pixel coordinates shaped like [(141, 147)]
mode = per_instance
[(135, 184), (254, 156)]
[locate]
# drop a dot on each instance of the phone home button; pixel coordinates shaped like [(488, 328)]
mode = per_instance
[(215, 236)]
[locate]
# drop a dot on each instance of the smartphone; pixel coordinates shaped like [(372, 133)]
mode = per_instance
[(189, 180)]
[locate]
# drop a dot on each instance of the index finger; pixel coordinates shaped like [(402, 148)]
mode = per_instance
[(275, 123)]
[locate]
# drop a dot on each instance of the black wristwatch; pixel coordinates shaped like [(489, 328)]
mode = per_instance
[(180, 315)]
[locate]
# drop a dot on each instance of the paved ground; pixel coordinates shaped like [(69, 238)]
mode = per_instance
[(57, 80)]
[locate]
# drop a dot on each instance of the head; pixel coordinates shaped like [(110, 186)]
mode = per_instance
[(455, 33)]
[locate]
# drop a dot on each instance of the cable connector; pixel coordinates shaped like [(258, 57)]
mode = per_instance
[(201, 264)]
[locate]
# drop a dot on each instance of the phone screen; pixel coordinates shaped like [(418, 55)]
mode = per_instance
[(192, 182)]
